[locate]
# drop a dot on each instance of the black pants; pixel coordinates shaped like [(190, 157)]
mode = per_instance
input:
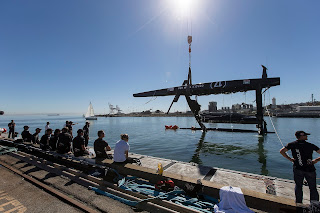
[(299, 176), (128, 160), (11, 132)]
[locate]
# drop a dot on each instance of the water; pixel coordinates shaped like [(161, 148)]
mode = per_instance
[(246, 152)]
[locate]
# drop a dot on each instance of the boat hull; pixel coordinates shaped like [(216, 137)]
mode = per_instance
[(91, 118)]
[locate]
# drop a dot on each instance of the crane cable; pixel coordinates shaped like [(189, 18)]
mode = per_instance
[(272, 121)]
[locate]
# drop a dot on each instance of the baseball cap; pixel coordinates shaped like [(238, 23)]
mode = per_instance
[(301, 133)]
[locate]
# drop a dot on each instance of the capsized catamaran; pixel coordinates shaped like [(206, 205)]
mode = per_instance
[(90, 113)]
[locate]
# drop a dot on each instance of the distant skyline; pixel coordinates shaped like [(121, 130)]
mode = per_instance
[(57, 56)]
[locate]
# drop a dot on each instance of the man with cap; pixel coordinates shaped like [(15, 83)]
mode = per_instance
[(303, 164), (26, 135), (35, 136)]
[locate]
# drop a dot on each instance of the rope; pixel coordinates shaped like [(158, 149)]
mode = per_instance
[(152, 98), (272, 122)]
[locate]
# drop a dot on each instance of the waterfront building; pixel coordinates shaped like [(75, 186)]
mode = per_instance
[(308, 108), (212, 106), (274, 103)]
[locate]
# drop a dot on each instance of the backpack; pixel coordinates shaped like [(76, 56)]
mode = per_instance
[(166, 185)]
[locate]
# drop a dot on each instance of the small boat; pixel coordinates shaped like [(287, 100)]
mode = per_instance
[(90, 113), (171, 127)]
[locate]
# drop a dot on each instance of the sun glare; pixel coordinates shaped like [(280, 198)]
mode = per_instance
[(182, 7)]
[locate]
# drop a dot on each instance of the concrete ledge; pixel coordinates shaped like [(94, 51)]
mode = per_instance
[(256, 200)]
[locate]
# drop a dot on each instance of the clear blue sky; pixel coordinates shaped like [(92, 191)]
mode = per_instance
[(57, 56)]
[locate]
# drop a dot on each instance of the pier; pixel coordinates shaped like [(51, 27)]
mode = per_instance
[(262, 193)]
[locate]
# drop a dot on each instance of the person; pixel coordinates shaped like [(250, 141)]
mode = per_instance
[(54, 140), (101, 146), (121, 150), (303, 165), (35, 136), (64, 141), (45, 139), (86, 133), (78, 144), (70, 127), (66, 124), (26, 135), (11, 126), (47, 126)]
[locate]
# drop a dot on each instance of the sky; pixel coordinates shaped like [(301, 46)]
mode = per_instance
[(58, 56)]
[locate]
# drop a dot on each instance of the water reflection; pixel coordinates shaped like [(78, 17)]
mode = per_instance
[(262, 156), (231, 151), (196, 156)]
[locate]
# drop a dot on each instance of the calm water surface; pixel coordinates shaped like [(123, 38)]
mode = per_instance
[(246, 152)]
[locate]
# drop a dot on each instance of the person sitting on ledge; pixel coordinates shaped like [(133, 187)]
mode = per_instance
[(44, 142), (78, 144), (26, 135), (121, 150), (101, 146), (64, 141), (35, 136), (54, 140)]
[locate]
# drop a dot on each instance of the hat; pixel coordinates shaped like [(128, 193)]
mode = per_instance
[(301, 133), (38, 129), (26, 127)]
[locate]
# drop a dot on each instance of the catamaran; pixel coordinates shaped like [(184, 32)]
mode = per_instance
[(90, 113)]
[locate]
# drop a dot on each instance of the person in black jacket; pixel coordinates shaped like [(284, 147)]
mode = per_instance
[(26, 135), (64, 142), (11, 126), (78, 145), (45, 139), (35, 136), (86, 132), (54, 140), (101, 146)]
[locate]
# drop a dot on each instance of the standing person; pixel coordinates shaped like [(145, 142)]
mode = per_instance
[(86, 133), (64, 141), (45, 139), (70, 124), (47, 126), (101, 146), (303, 165), (11, 126), (78, 144), (26, 135), (121, 150), (54, 140), (35, 136), (66, 124)]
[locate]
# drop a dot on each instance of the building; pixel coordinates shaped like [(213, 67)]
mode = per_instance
[(274, 103), (212, 106), (308, 108)]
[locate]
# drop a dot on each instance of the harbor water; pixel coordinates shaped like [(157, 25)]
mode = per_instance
[(247, 152)]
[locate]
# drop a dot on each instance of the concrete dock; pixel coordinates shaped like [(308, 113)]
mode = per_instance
[(262, 193)]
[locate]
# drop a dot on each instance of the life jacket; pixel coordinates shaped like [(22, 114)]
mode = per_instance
[(166, 185)]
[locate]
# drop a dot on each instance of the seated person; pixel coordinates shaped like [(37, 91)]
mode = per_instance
[(101, 146), (78, 144), (54, 140), (44, 142), (35, 136), (64, 141), (26, 135), (121, 150)]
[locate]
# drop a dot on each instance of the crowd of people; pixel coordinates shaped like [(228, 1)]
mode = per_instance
[(63, 142)]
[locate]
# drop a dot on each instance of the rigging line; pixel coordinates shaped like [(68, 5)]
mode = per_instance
[(152, 98), (274, 128)]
